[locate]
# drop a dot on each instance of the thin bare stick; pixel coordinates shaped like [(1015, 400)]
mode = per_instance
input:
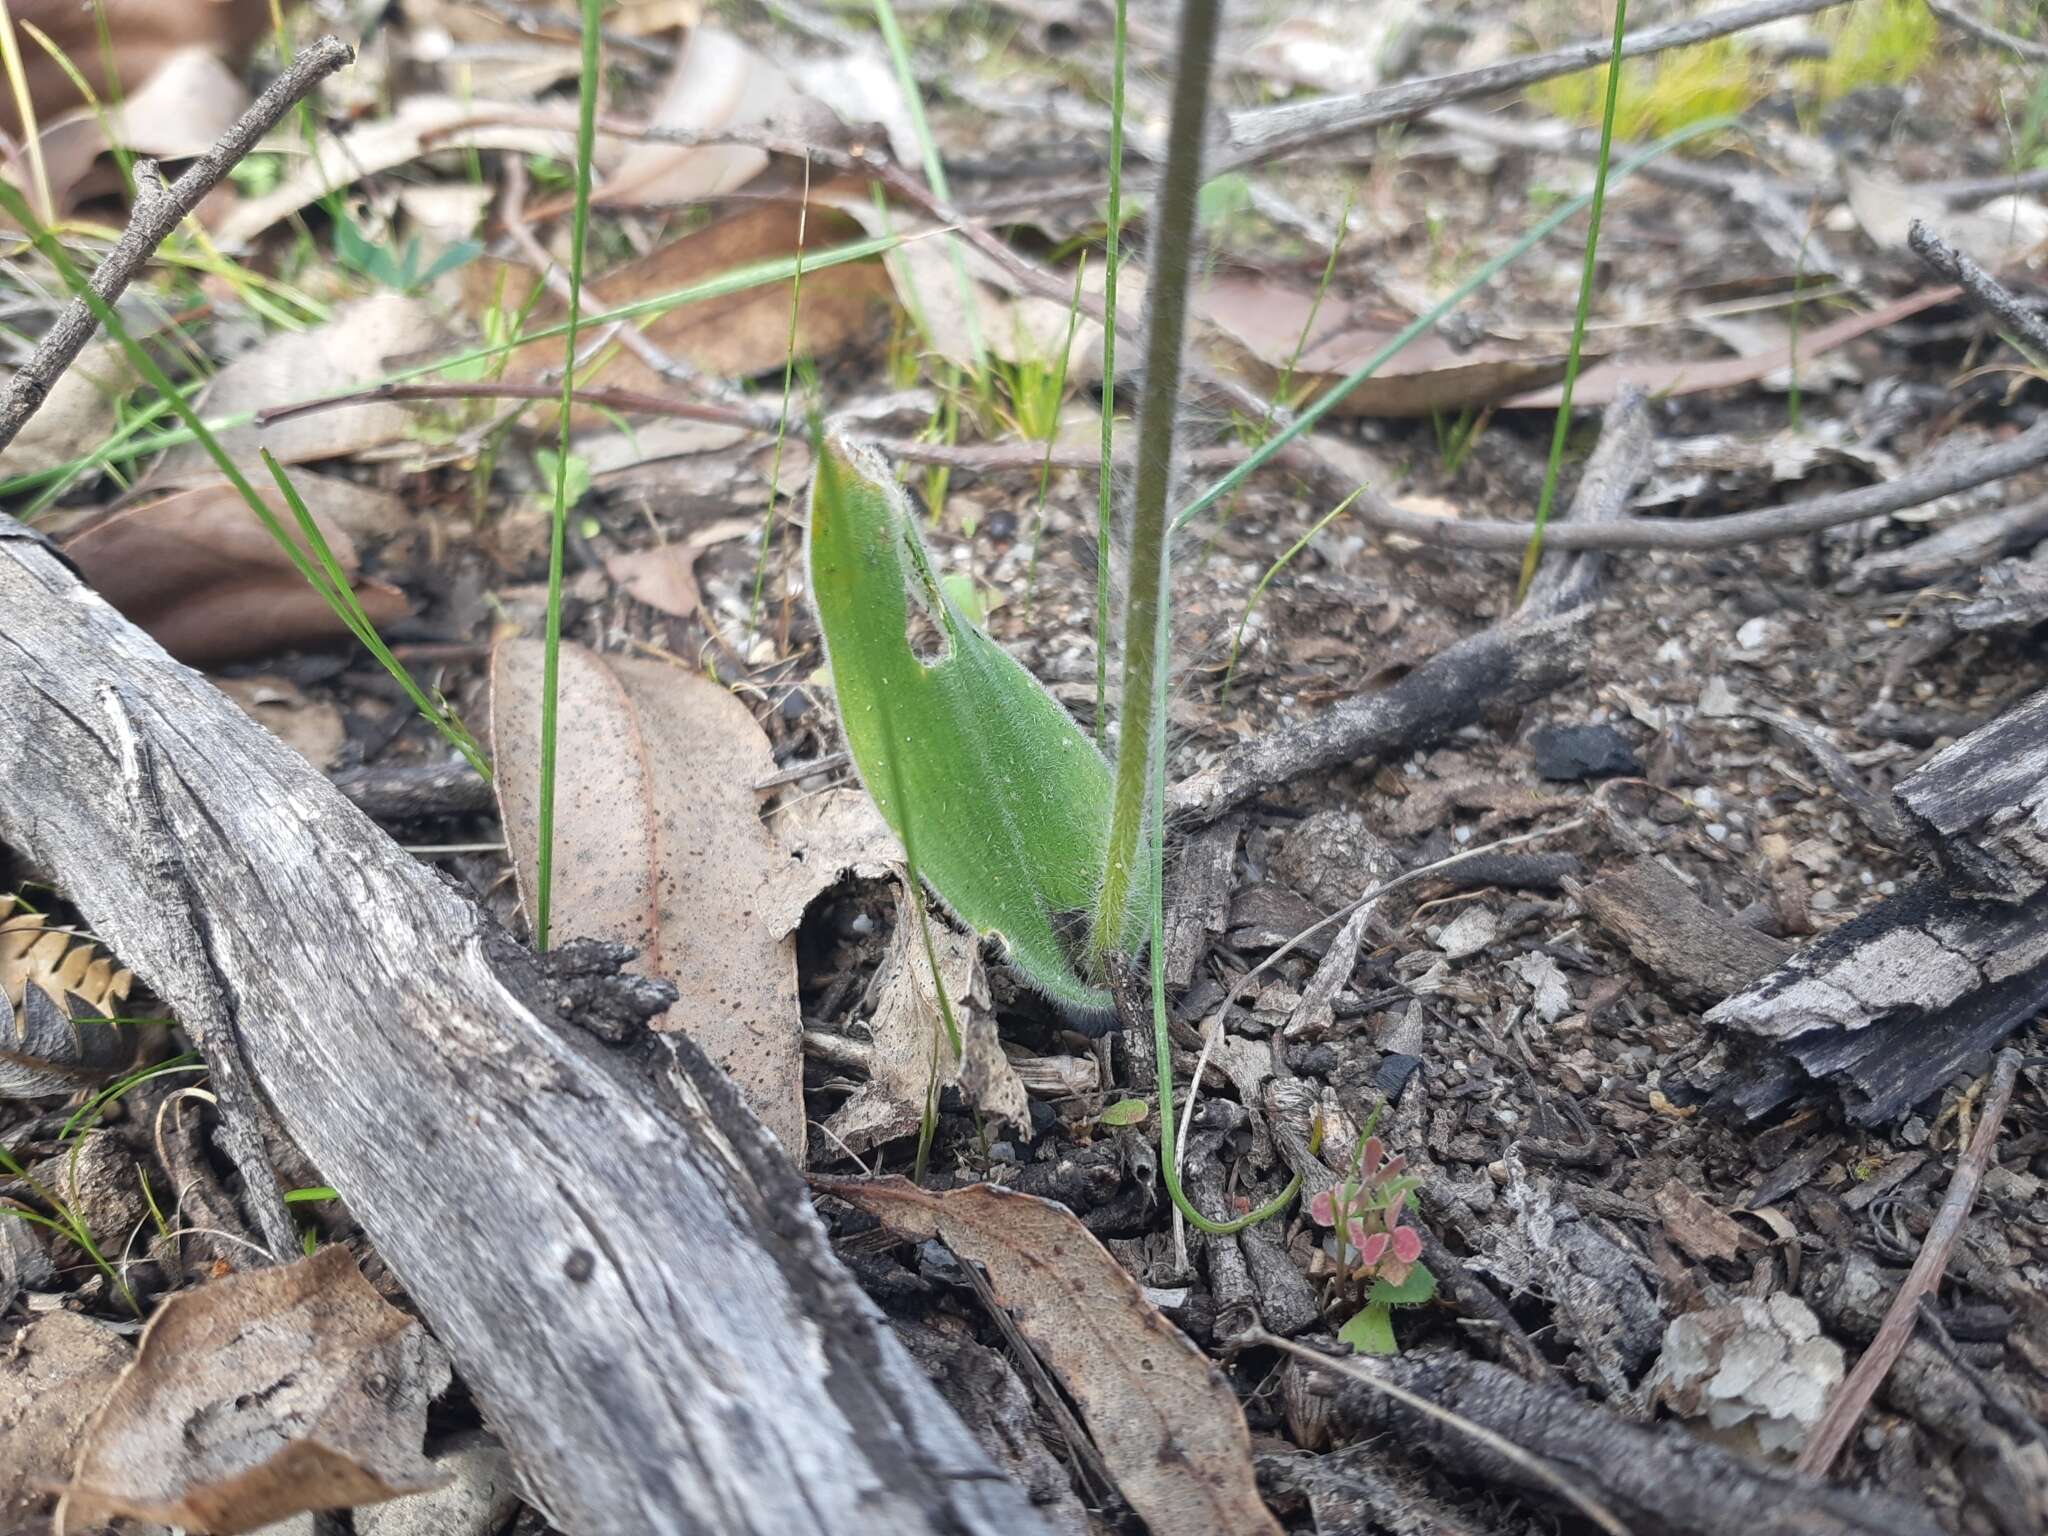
[(975, 458), (1264, 133), (159, 210), (1983, 31), (1537, 1468), (1988, 292), (1955, 473), (1845, 1410), (512, 214)]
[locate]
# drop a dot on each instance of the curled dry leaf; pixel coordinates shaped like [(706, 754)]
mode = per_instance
[(419, 125), (1014, 327), (664, 578), (142, 34), (352, 350), (47, 975), (1264, 326), (910, 1044), (261, 1396), (718, 83), (737, 336), (659, 844), (1667, 378), (177, 114), (1999, 235), (1168, 1425), (202, 575), (53, 1376)]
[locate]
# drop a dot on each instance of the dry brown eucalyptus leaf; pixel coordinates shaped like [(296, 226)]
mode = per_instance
[(737, 336), (311, 727), (719, 83), (53, 1376), (659, 844), (42, 971), (202, 575), (1168, 1425), (142, 33), (261, 1396), (664, 577), (910, 1044), (417, 125), (177, 114), (1273, 330)]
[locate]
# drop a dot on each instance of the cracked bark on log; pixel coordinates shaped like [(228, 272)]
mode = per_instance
[(1888, 1006), (622, 1263)]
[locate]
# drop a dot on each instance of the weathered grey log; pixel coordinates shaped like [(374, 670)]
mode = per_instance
[(1922, 985), (1656, 1477), (1983, 806), (624, 1266)]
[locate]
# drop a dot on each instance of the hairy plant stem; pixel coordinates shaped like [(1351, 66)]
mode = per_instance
[(1145, 610), (1105, 479)]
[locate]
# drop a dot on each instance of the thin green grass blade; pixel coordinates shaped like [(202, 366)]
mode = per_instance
[(935, 175), (1003, 798), (738, 280), (588, 80), (1538, 232), (1533, 555), (328, 579), (1052, 437), (1265, 581)]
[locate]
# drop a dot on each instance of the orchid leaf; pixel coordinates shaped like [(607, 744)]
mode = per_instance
[(1000, 798)]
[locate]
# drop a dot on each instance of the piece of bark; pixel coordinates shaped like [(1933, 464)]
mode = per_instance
[(1982, 805), (622, 1263), (416, 791), (1672, 932), (1533, 654), (1959, 550), (1198, 896), (1888, 1006), (1654, 1477)]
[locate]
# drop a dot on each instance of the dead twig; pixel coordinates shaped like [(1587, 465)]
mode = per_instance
[(159, 210), (512, 214), (1537, 1469), (1265, 133), (1539, 650), (1983, 31), (1795, 520), (1845, 1411), (1986, 291)]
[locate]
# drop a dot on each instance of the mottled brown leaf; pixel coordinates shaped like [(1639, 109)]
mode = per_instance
[(260, 1396), (1168, 1425)]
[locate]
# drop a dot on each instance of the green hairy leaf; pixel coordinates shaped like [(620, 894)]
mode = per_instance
[(999, 796)]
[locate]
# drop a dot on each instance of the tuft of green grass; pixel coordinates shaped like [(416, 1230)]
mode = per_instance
[(316, 561), (1663, 94), (1875, 42), (1533, 555)]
